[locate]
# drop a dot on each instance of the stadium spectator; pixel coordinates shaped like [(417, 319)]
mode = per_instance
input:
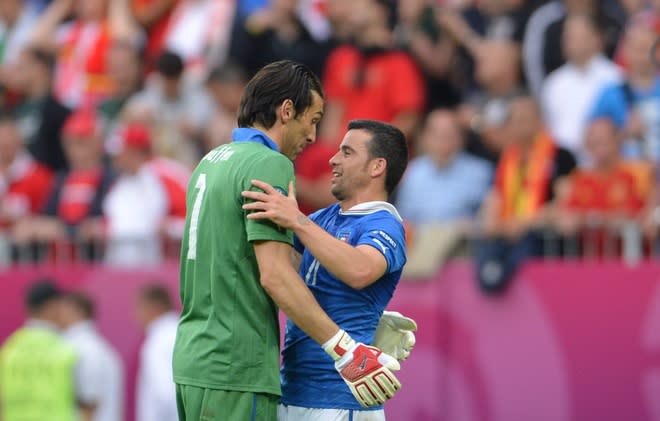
[(432, 48), (599, 199), (199, 31), (39, 114), (125, 70), (313, 176), (485, 111), (338, 14), (177, 109), (81, 73), (225, 85), (274, 33), (569, 93), (17, 19), (100, 373), (36, 365), (542, 52), (634, 103), (24, 183), (369, 78), (77, 194), (154, 17), (521, 203), (155, 394), (441, 193), (131, 232)]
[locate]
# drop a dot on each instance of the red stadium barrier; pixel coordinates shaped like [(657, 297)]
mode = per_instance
[(568, 341)]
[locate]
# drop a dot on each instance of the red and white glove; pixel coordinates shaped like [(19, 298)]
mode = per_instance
[(366, 369)]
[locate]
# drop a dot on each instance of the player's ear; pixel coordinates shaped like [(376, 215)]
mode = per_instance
[(287, 111), (378, 167)]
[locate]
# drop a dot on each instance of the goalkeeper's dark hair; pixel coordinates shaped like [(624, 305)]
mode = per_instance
[(271, 86), (386, 142)]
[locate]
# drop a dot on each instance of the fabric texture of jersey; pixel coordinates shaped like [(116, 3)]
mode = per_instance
[(228, 334), (309, 378)]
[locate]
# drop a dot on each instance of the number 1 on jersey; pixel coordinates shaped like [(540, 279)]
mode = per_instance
[(200, 185)]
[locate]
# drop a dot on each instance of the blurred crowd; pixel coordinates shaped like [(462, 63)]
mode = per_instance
[(534, 124), (58, 366)]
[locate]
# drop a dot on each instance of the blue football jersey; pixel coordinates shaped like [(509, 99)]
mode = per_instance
[(309, 378)]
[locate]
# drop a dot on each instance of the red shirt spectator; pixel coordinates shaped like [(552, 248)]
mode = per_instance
[(24, 183), (611, 192), (155, 16), (378, 85), (24, 188), (313, 174)]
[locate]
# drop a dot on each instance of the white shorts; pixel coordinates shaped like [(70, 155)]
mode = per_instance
[(297, 413)]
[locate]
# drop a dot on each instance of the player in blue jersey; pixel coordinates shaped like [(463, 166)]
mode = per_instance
[(353, 254)]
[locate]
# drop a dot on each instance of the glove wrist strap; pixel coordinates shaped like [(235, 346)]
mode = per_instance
[(339, 344)]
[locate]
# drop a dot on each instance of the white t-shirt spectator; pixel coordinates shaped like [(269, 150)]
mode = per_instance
[(568, 96), (99, 373), (135, 207), (156, 393)]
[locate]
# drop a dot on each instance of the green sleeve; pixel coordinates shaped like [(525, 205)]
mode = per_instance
[(276, 170)]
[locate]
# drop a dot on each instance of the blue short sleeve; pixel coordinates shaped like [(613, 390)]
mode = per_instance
[(386, 235)]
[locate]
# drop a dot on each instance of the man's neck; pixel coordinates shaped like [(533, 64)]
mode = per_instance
[(362, 197)]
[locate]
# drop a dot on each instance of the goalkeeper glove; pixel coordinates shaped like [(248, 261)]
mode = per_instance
[(366, 370), (394, 334)]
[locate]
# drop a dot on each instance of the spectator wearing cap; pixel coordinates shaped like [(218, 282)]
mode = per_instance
[(39, 114), (77, 194), (178, 110), (36, 365), (101, 372), (24, 182), (137, 207)]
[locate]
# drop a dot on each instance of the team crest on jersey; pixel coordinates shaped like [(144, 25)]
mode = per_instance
[(281, 190), (343, 236)]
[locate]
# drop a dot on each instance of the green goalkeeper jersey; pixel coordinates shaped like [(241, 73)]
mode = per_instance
[(228, 334)]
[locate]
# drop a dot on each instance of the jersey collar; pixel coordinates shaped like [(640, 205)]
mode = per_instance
[(371, 207), (248, 134)]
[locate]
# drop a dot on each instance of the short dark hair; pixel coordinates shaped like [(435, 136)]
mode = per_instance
[(82, 302), (386, 142), (156, 294), (170, 65), (41, 292), (272, 85)]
